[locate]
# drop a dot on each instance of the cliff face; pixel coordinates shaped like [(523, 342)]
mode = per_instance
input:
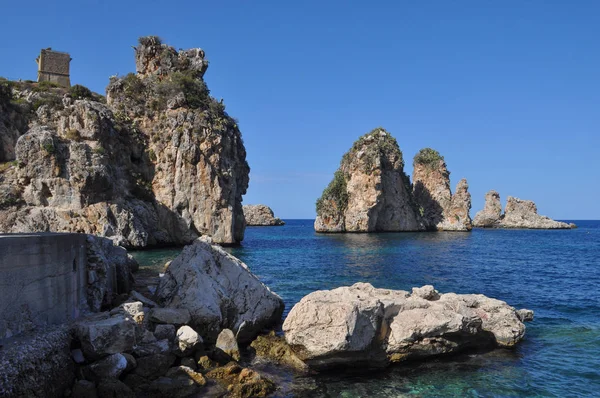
[(440, 210), (370, 191), (260, 215), (160, 163), (518, 213)]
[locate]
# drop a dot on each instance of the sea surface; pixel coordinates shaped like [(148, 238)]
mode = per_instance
[(554, 273)]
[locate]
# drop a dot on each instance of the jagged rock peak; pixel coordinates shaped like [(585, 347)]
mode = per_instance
[(439, 209), (369, 191), (492, 211), (152, 57), (261, 215)]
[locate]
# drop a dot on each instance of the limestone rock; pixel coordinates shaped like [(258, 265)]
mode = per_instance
[(113, 388), (362, 324), (491, 213), (260, 215), (101, 337), (176, 387), (110, 367), (165, 332), (84, 389), (227, 343), (160, 163), (187, 340), (518, 213), (174, 316), (219, 291), (275, 348), (186, 373), (440, 210), (242, 382), (154, 365), (370, 191)]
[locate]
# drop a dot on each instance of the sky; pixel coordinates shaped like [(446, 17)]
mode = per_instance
[(507, 91)]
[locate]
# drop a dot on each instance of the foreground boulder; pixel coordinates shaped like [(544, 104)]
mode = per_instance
[(518, 213), (362, 324), (260, 215), (219, 291), (439, 208), (370, 191)]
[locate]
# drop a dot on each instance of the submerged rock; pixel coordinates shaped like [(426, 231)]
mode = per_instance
[(361, 324), (260, 215), (440, 210), (370, 191), (518, 213), (219, 291)]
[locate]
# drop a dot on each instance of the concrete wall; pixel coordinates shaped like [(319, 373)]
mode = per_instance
[(43, 280)]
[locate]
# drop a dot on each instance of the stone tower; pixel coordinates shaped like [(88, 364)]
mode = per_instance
[(53, 66)]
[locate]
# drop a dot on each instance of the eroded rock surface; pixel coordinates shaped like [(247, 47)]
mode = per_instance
[(219, 291), (362, 324), (370, 191), (518, 213), (160, 163), (439, 208), (260, 215)]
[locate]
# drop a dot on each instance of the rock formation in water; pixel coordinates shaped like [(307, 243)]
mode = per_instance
[(440, 210), (160, 163), (370, 191), (364, 325), (492, 211), (518, 213), (219, 291), (260, 215)]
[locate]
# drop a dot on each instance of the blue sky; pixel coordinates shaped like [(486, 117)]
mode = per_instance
[(508, 92)]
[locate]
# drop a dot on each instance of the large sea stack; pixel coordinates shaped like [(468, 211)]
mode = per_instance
[(160, 162), (370, 191), (440, 209), (518, 213)]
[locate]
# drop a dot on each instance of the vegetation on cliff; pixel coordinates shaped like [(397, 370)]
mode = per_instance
[(428, 157), (335, 193)]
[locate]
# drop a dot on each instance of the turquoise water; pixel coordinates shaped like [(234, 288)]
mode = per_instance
[(554, 273)]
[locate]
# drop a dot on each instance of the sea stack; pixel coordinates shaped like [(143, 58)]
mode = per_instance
[(439, 209), (261, 215), (158, 162), (518, 213), (370, 191)]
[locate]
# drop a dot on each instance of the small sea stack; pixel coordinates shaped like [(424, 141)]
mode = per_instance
[(261, 216)]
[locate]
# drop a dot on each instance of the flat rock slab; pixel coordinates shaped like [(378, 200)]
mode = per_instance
[(173, 316)]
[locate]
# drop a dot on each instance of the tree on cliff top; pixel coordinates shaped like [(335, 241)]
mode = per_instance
[(427, 157)]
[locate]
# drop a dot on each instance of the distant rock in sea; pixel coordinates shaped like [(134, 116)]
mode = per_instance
[(431, 189), (158, 161), (360, 325), (370, 191), (260, 215), (518, 213)]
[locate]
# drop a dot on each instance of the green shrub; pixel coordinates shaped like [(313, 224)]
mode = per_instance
[(99, 150), (73, 135), (336, 191), (80, 92), (46, 85), (5, 90), (427, 157), (134, 88), (49, 147)]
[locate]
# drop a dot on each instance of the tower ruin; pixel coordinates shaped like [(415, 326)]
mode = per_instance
[(53, 66)]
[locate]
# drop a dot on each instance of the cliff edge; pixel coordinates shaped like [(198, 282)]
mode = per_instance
[(160, 162)]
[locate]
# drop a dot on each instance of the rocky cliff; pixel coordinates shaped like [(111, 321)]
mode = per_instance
[(440, 210), (518, 213), (370, 191), (160, 163), (261, 215)]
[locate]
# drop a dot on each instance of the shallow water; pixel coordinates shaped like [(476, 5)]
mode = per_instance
[(554, 273)]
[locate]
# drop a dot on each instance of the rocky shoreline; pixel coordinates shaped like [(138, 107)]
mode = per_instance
[(209, 311), (261, 216)]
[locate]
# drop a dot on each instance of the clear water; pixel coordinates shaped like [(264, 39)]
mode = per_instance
[(554, 273)]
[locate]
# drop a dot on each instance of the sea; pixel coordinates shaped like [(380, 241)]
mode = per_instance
[(555, 273)]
